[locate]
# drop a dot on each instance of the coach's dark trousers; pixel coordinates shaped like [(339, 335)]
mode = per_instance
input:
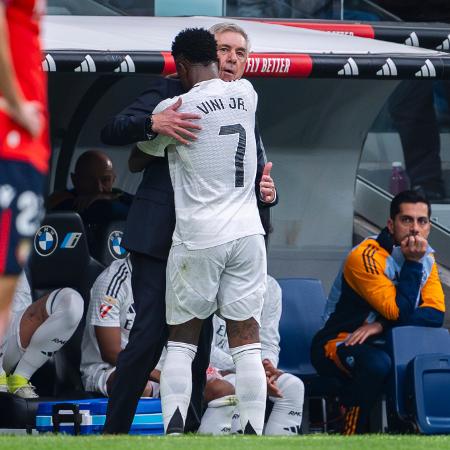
[(147, 339)]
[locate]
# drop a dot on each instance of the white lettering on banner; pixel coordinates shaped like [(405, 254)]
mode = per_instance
[(275, 65), (349, 33), (252, 65)]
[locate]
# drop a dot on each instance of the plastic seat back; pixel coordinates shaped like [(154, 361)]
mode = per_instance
[(429, 392), (303, 306), (106, 242), (404, 344), (60, 258)]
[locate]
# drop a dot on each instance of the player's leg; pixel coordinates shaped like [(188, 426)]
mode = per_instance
[(219, 395), (240, 300), (176, 374), (191, 289), (45, 326), (286, 414), (20, 214), (8, 285), (251, 387)]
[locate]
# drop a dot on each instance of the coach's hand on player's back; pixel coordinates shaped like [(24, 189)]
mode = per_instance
[(28, 114), (175, 124)]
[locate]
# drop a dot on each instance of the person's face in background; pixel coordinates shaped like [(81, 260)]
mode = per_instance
[(412, 220), (95, 176), (232, 53)]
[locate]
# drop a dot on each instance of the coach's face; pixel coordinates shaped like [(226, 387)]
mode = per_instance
[(232, 53)]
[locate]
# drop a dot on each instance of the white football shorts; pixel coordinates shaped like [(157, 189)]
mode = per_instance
[(229, 278)]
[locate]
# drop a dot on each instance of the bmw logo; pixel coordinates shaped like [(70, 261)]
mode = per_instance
[(114, 241), (46, 240)]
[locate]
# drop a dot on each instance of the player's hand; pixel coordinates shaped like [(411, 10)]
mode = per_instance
[(271, 371), (272, 375), (148, 390), (414, 247), (273, 390), (27, 114), (266, 185), (361, 334), (178, 125)]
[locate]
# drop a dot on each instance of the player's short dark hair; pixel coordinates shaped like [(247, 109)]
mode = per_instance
[(408, 197), (197, 45)]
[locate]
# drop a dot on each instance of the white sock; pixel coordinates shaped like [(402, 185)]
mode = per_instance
[(286, 415), (251, 387), (217, 417), (65, 310), (176, 385), (235, 416)]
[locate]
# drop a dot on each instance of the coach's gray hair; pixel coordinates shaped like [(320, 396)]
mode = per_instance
[(222, 27)]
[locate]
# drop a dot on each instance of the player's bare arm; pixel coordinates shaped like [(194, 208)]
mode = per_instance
[(138, 160), (28, 114), (109, 343)]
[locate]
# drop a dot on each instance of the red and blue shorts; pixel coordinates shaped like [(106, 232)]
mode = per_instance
[(21, 209)]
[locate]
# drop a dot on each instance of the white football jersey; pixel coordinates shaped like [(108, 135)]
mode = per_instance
[(111, 305), (214, 177), (268, 333)]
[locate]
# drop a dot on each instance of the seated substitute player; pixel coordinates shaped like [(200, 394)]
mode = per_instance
[(109, 320), (387, 280), (285, 391), (37, 330), (217, 260)]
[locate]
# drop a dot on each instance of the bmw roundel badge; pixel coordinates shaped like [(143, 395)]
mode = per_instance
[(45, 240), (114, 241)]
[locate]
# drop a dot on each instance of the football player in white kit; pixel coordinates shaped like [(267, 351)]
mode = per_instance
[(285, 391), (218, 259), (36, 331), (109, 319)]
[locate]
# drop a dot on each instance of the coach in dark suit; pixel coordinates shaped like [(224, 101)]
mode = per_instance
[(148, 237)]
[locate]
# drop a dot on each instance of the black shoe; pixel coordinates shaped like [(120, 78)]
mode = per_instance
[(176, 425)]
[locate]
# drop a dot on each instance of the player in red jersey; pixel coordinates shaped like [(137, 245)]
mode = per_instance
[(24, 145)]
